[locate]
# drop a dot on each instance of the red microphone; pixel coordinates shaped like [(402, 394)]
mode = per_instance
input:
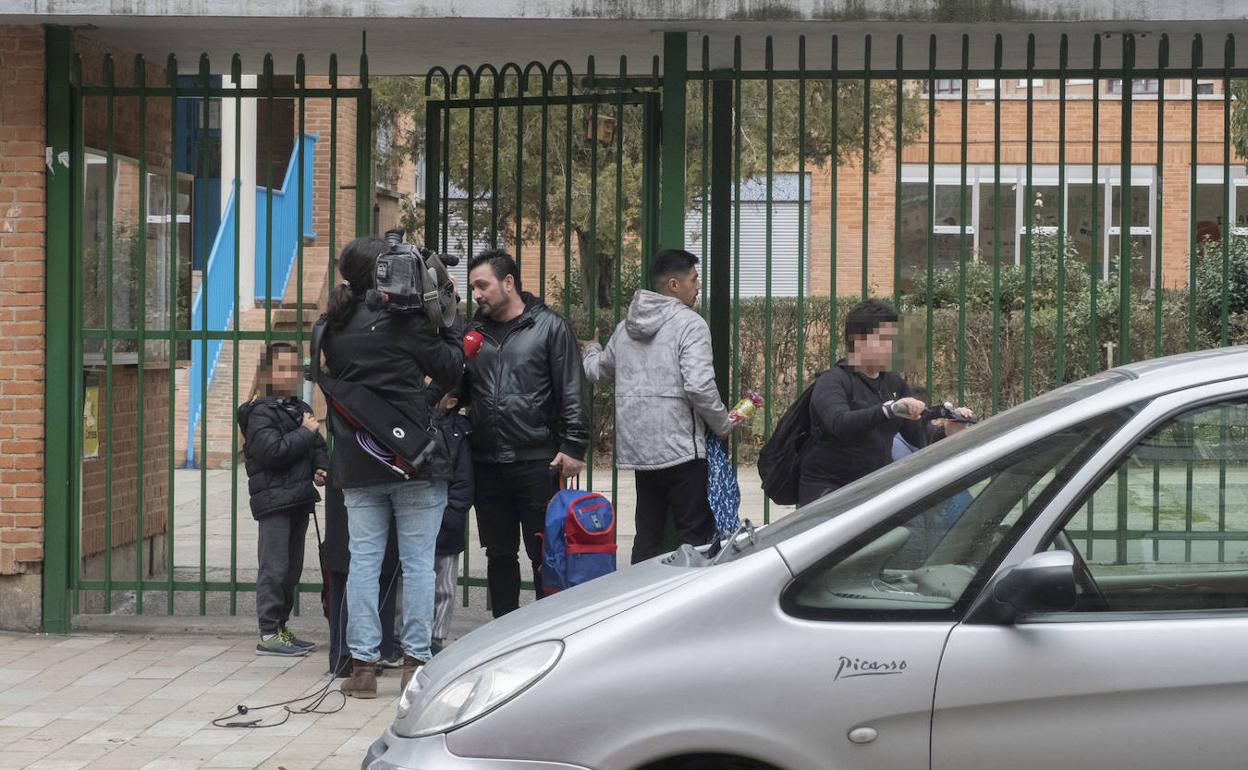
[(472, 344)]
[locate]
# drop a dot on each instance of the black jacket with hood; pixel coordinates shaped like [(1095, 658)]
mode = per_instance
[(281, 455), (851, 435), (391, 353), (452, 537), (527, 391)]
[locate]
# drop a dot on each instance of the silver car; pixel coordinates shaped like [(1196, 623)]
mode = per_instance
[(1064, 585)]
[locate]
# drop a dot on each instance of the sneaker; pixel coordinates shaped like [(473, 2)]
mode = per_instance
[(276, 645), (436, 646), (294, 641), (398, 661)]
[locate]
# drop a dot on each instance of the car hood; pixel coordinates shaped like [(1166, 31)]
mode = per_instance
[(554, 617)]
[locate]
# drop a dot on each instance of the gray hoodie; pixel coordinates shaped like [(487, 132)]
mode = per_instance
[(665, 394)]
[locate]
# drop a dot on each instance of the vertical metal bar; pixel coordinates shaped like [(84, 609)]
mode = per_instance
[(736, 227), (171, 73), (140, 80), (931, 201), (62, 375), (996, 226), (1124, 191), (268, 207), (433, 165), (1029, 209), (471, 190), (567, 199), (497, 87), (1225, 314), (55, 618), (592, 282), (444, 212), (1163, 61), (619, 252), (1060, 351), (111, 289), (236, 74), (801, 213), (543, 212), (704, 171), (519, 210), (720, 198), (205, 80), (866, 165), (1094, 266), (897, 245), (834, 163), (1197, 62), (962, 244), (331, 279), (364, 152), (675, 74), (768, 55)]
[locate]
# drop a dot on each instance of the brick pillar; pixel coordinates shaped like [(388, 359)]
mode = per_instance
[(21, 323)]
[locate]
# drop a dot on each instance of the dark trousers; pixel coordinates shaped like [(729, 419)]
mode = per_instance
[(678, 492), (339, 653), (511, 503), (280, 559)]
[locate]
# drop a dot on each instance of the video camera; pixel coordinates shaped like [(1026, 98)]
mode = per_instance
[(412, 279)]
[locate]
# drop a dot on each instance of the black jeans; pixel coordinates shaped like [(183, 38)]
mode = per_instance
[(280, 559), (339, 653), (511, 503), (679, 491)]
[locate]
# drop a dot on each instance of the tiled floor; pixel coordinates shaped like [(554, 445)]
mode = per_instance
[(131, 702)]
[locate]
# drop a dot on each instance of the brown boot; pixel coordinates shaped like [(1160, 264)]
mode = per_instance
[(410, 665), (363, 681)]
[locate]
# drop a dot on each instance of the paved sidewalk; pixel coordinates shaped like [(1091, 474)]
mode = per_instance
[(127, 702)]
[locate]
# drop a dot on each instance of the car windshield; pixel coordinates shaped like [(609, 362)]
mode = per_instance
[(859, 492)]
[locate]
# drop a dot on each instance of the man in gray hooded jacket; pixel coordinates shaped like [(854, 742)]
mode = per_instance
[(665, 401)]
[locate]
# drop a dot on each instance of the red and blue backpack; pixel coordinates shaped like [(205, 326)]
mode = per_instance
[(579, 540)]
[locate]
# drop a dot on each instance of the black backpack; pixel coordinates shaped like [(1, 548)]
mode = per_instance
[(779, 463)]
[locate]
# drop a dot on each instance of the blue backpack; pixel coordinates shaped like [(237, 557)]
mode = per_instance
[(579, 541)]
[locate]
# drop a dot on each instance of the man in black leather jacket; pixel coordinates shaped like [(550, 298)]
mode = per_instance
[(530, 419)]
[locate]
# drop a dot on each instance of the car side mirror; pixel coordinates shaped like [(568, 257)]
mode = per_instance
[(1044, 582)]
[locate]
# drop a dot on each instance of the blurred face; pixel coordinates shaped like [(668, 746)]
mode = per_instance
[(875, 350), (684, 288), (286, 372), (493, 296)]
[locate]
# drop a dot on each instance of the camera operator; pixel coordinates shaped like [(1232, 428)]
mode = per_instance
[(858, 406), (389, 353), (529, 419)]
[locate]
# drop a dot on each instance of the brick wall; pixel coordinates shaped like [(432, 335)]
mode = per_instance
[(22, 305), (126, 465)]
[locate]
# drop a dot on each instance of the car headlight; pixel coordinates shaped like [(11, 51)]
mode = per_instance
[(479, 691)]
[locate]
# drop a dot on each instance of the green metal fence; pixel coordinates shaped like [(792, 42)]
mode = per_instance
[(1030, 222)]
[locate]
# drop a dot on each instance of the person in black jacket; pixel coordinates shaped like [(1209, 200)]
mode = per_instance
[(858, 406), (529, 419), (285, 456), (452, 536), (390, 354)]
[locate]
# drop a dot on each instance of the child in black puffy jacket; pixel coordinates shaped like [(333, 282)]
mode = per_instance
[(286, 460), (452, 535)]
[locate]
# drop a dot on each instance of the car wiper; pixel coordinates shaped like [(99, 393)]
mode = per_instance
[(734, 547)]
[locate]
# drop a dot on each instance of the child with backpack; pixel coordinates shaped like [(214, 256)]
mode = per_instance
[(452, 536), (286, 459)]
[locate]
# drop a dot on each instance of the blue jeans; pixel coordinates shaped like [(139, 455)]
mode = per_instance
[(416, 507)]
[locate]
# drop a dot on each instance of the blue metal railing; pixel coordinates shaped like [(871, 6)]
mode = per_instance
[(285, 243), (218, 281)]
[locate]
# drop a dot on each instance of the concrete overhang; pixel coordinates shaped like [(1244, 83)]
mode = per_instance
[(410, 37)]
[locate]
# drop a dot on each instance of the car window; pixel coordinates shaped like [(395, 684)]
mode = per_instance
[(853, 495), (926, 560), (1167, 529)]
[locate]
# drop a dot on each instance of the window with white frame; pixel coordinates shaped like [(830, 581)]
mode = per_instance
[(1000, 215), (1212, 198)]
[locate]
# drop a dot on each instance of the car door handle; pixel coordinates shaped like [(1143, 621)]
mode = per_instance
[(863, 735)]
